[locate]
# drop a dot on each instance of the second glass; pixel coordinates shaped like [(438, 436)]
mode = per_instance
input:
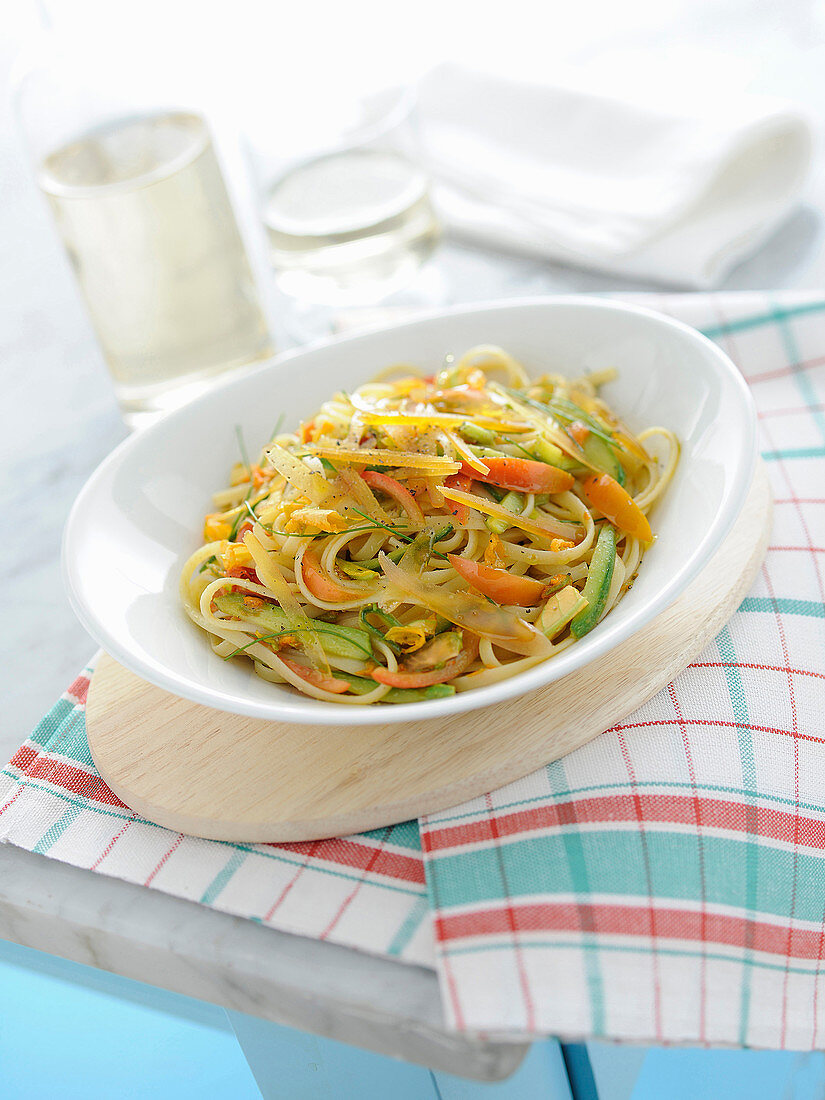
[(350, 220)]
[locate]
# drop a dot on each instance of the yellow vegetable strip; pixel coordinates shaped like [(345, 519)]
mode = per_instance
[(546, 528), (443, 420), (299, 475), (349, 483), (374, 456), (466, 454), (320, 519)]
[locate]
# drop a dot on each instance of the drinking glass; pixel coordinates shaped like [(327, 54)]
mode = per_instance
[(139, 200), (345, 203)]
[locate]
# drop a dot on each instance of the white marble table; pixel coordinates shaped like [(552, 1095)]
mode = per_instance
[(58, 419)]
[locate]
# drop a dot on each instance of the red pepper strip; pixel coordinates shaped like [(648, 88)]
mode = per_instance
[(498, 584), (245, 572), (397, 491), (315, 677), (464, 483), (454, 667), (318, 583), (522, 474)]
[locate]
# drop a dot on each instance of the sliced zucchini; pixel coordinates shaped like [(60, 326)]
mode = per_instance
[(416, 695), (358, 685), (597, 585), (472, 433), (513, 502), (356, 569), (601, 454), (338, 641), (553, 455), (374, 564)]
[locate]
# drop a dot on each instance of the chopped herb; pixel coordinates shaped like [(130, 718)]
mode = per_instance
[(259, 638), (569, 410), (444, 532), (207, 563), (319, 629), (523, 450), (395, 531), (242, 449), (369, 526), (277, 427), (562, 409), (385, 617), (251, 511), (240, 517), (321, 534), (245, 459)]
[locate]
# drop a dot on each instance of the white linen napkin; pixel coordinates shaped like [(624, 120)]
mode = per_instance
[(617, 186)]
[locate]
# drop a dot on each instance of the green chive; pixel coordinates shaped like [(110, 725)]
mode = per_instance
[(295, 630), (242, 449), (386, 617), (394, 531)]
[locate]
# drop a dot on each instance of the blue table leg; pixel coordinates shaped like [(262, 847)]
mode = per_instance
[(77, 1033), (294, 1065), (675, 1073)]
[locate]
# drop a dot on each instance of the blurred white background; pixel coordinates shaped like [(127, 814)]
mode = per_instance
[(253, 59)]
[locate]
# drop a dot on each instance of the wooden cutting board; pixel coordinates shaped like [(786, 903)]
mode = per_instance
[(204, 772)]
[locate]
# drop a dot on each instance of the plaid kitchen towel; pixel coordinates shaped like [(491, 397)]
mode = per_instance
[(666, 882), (365, 891), (663, 883)]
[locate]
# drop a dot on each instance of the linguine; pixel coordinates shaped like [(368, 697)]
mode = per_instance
[(423, 536)]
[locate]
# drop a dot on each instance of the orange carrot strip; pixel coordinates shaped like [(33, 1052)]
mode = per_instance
[(376, 480), (315, 677), (614, 502), (522, 474), (318, 583), (498, 584)]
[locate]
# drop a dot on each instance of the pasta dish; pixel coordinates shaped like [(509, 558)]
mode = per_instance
[(427, 535)]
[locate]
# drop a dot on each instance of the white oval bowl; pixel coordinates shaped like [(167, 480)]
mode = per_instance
[(140, 514)]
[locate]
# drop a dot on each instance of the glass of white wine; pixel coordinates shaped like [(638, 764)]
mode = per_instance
[(344, 201), (141, 205)]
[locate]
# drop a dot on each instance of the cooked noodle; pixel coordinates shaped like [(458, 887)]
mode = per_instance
[(422, 536)]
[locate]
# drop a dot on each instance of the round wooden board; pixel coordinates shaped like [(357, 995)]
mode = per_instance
[(211, 774)]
